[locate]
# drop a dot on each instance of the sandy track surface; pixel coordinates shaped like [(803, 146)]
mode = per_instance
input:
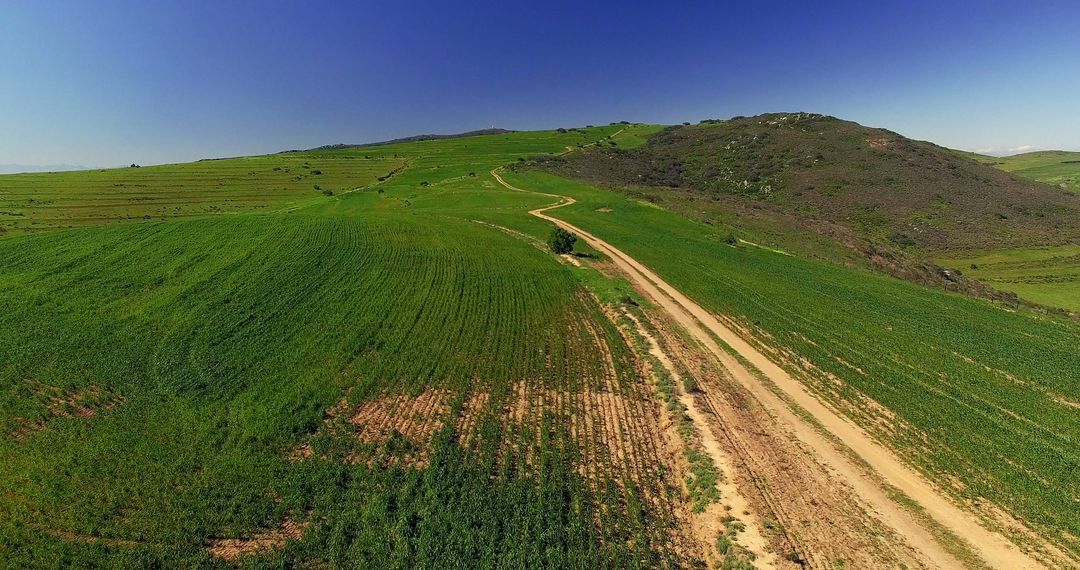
[(995, 550)]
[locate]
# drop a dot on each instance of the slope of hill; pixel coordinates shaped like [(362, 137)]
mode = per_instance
[(810, 183), (873, 182), (30, 202), (1046, 275), (952, 372), (345, 379), (417, 138)]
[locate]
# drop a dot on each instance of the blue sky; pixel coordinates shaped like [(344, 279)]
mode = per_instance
[(107, 83)]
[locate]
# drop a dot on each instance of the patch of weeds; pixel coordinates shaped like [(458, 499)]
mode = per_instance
[(736, 557)]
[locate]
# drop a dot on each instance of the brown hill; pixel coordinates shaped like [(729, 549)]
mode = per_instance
[(838, 176)]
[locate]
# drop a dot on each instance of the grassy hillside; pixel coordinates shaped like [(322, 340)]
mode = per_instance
[(1050, 276), (1055, 167), (981, 398), (344, 372), (211, 187), (1046, 275)]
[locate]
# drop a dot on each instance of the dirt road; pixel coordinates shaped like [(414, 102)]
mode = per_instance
[(995, 550)]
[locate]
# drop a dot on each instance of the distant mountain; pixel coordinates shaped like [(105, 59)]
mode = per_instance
[(416, 138), (19, 168)]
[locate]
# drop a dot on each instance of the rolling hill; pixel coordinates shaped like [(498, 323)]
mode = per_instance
[(368, 357), (1059, 168), (837, 190)]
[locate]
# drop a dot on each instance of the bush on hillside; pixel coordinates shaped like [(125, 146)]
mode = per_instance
[(561, 241)]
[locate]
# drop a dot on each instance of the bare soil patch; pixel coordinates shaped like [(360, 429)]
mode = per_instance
[(84, 403), (231, 549)]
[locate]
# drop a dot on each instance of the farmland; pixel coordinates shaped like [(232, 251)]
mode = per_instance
[(1002, 413), (1055, 167), (1050, 276), (1045, 275), (175, 390), (221, 363), (62, 200)]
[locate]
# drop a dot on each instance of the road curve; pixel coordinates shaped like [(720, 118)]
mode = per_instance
[(995, 550)]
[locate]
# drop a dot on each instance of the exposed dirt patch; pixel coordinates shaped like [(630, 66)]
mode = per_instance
[(401, 425), (83, 402), (231, 549), (390, 429), (469, 419)]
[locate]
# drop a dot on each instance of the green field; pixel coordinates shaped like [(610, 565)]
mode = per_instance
[(229, 186), (1049, 276), (978, 395), (1044, 275), (172, 366), (1055, 167), (159, 376)]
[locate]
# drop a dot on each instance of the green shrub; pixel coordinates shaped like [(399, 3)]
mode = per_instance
[(561, 241)]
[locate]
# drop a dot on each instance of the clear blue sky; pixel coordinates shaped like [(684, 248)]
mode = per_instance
[(107, 83)]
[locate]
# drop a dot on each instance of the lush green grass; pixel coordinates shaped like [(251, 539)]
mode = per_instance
[(204, 350), (635, 135), (1050, 276), (1055, 167), (265, 183), (1045, 275), (983, 397)]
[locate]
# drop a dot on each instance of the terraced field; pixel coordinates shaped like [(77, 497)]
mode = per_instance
[(230, 186)]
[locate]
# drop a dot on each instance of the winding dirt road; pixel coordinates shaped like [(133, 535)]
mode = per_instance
[(888, 470)]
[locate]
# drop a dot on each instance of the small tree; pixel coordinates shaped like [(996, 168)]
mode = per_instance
[(561, 241)]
